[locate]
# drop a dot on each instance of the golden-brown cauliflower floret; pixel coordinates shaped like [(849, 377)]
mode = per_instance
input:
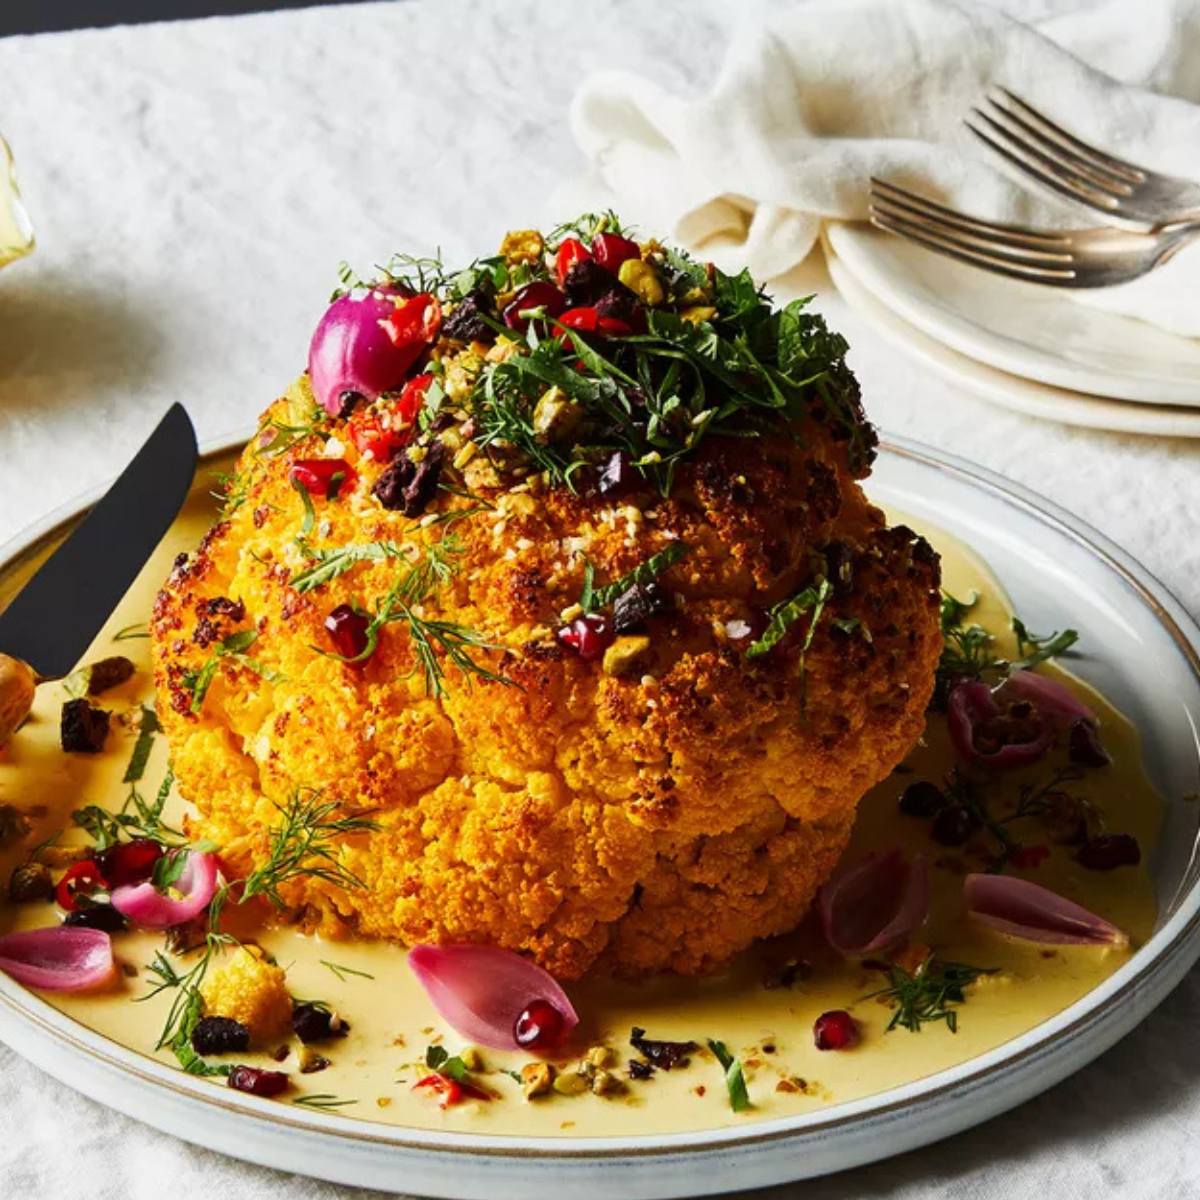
[(247, 988), (658, 804)]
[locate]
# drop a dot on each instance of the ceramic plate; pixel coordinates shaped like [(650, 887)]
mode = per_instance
[(1145, 660), (1034, 332), (1022, 395)]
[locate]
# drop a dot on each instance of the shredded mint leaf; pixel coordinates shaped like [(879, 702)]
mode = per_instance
[(142, 747), (783, 616), (594, 598)]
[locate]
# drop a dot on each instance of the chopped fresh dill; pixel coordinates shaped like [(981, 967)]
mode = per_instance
[(342, 971), (735, 1078), (929, 993)]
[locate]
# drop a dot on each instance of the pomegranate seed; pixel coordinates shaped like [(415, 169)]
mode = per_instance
[(835, 1030), (347, 629), (922, 799), (538, 1027), (588, 636), (327, 477), (129, 862), (257, 1081), (538, 294), (1109, 851), (1084, 745), (611, 249)]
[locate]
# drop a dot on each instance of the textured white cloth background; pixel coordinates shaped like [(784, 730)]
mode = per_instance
[(811, 104), (194, 186)]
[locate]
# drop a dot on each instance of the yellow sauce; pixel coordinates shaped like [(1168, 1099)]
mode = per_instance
[(769, 1029)]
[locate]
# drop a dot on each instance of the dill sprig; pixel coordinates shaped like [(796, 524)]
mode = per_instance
[(130, 632), (329, 564), (303, 845), (342, 971), (927, 994)]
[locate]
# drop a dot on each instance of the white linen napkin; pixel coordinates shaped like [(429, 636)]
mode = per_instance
[(815, 98)]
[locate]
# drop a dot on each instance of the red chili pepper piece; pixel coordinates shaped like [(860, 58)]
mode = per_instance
[(611, 250), (570, 252), (371, 436), (448, 1089), (581, 319), (412, 399), (81, 879), (326, 477), (414, 321)]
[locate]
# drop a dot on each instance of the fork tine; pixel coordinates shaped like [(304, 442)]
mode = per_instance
[(996, 244), (1131, 172), (1100, 202), (1035, 140), (994, 231), (976, 258)]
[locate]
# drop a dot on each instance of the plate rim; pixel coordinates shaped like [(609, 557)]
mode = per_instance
[(1164, 949), (989, 347), (1015, 393)]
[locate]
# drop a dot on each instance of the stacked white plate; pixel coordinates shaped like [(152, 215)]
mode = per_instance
[(1026, 347)]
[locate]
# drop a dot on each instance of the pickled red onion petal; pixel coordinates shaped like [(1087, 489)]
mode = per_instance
[(874, 903), (1055, 701), (352, 352), (1024, 910), (58, 959), (970, 704), (481, 990), (145, 905)]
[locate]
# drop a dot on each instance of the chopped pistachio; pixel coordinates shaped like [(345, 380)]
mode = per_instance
[(523, 245), (625, 654), (570, 1083), (471, 1058), (600, 1056), (641, 278), (536, 1079), (698, 312), (556, 416), (605, 1083)]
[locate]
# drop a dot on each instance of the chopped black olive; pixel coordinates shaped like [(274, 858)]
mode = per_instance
[(108, 673), (466, 323), (410, 486), (639, 1069), (348, 401), (313, 1023), (96, 916), (219, 1035), (83, 729), (666, 1055), (29, 882), (634, 607)]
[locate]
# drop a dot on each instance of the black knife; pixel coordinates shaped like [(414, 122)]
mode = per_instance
[(55, 616)]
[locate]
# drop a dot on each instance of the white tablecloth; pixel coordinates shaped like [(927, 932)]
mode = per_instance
[(194, 186)]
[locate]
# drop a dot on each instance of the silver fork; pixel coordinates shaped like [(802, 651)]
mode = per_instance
[(1070, 258), (1037, 149)]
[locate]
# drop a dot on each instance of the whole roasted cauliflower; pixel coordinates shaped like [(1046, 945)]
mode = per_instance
[(583, 623)]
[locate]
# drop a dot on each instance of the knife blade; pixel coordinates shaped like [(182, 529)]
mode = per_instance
[(55, 616)]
